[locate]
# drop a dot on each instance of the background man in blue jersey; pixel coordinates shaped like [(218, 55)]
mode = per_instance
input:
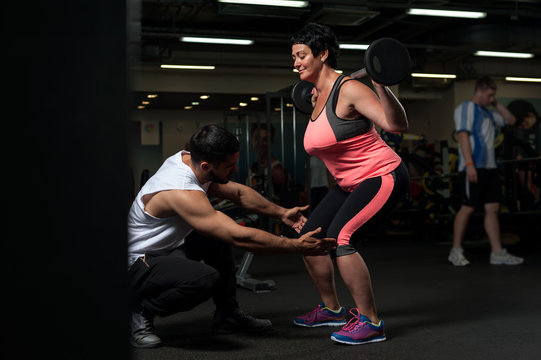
[(479, 179)]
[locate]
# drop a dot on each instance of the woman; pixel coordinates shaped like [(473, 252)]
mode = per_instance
[(371, 179)]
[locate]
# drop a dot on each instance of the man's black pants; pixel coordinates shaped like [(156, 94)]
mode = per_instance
[(164, 284)]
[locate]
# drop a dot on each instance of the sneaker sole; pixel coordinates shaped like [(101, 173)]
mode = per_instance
[(359, 342), (456, 263), (145, 346), (504, 263), (329, 323)]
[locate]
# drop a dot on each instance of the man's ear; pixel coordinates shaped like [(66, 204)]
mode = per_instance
[(204, 165)]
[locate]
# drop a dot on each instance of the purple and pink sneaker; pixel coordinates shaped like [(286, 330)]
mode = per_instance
[(360, 330), (321, 316)]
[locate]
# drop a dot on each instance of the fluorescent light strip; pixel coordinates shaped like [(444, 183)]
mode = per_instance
[(353, 46), (514, 78), (448, 13), (435, 76), (205, 40), (504, 54), (187, 67), (283, 3)]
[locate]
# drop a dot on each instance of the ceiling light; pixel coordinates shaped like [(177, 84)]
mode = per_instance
[(434, 76), (195, 103), (514, 78), (254, 98), (145, 102), (188, 107), (204, 97), (284, 3), (189, 67), (448, 13), (206, 40), (243, 104), (353, 46), (141, 107), (152, 96), (504, 54), (234, 108)]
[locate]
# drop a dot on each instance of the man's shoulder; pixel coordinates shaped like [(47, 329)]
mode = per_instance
[(465, 103), (186, 198)]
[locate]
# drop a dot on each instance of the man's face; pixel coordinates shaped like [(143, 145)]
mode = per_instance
[(261, 143), (221, 172), (485, 97)]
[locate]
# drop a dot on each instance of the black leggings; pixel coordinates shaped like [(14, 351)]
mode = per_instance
[(164, 284), (341, 215)]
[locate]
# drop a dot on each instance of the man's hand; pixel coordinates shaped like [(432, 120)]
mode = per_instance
[(309, 245), (294, 218), (471, 174)]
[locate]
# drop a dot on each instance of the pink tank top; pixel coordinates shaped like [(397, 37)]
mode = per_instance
[(352, 150)]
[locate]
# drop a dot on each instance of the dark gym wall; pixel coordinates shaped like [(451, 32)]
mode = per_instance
[(65, 180)]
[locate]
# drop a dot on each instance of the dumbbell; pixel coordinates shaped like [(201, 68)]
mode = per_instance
[(386, 61)]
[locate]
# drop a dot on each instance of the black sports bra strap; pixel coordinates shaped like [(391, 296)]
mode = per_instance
[(337, 91)]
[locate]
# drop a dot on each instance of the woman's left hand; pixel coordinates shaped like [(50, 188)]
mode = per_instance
[(294, 218)]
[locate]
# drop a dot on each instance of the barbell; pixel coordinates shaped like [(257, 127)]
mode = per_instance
[(386, 61)]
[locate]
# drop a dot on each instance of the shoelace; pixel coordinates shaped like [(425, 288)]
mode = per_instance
[(312, 315), (355, 321)]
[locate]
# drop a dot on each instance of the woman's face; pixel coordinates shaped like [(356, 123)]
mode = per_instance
[(528, 121), (305, 62)]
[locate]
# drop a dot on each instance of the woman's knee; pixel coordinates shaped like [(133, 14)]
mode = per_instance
[(346, 249)]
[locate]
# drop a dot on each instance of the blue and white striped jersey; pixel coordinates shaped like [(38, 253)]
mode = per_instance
[(480, 124)]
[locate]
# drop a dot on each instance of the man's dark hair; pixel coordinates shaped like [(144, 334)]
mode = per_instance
[(318, 38), (484, 83), (213, 144)]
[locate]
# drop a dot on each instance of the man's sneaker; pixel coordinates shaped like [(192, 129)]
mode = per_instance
[(321, 316), (142, 332), (457, 258), (502, 257), (360, 330), (237, 320)]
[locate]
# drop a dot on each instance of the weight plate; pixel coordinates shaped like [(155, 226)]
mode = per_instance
[(301, 94), (387, 61)]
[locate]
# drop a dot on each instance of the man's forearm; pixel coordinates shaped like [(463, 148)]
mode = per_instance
[(505, 113), (464, 143), (256, 240), (251, 200)]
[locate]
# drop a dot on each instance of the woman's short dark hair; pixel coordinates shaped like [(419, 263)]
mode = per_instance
[(521, 109), (213, 144), (318, 38)]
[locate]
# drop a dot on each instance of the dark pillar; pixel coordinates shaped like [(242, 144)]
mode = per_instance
[(65, 187)]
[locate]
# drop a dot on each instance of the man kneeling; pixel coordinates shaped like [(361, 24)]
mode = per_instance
[(172, 226)]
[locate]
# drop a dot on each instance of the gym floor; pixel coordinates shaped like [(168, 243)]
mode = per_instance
[(431, 309)]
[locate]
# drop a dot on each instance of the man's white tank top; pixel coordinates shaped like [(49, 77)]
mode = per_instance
[(147, 233)]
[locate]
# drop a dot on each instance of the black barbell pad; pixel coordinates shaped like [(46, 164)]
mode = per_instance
[(387, 61), (301, 94)]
